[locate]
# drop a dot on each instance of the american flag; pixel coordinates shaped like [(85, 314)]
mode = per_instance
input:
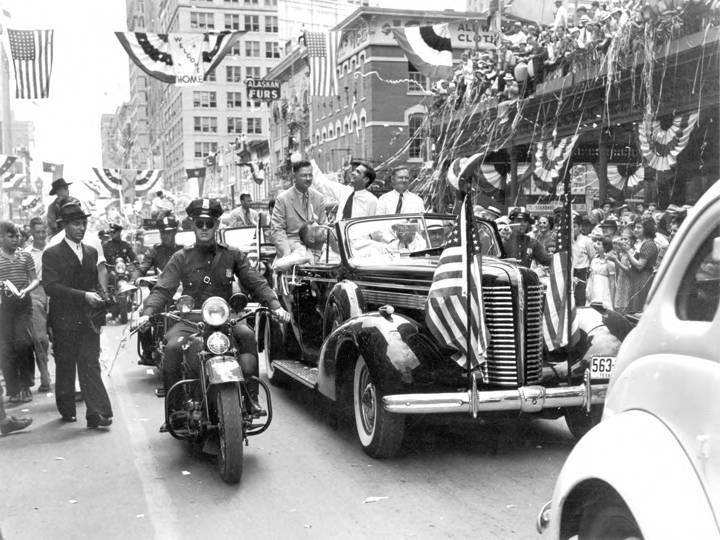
[(557, 295), (446, 306), (322, 56), (32, 56)]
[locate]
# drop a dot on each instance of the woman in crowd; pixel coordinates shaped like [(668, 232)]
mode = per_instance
[(622, 247), (601, 283), (642, 263), (545, 233)]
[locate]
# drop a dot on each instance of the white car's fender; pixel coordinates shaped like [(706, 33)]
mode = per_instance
[(637, 455)]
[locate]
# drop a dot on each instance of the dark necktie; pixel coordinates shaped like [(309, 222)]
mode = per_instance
[(306, 204), (399, 204), (347, 210)]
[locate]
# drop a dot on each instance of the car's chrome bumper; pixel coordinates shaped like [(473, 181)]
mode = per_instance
[(528, 399)]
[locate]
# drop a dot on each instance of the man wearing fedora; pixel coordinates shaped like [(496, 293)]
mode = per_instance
[(70, 278), (60, 188)]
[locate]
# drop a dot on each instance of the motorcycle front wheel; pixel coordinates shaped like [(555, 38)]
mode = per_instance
[(230, 433)]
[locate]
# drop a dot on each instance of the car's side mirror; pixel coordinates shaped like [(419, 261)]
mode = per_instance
[(238, 302), (716, 250)]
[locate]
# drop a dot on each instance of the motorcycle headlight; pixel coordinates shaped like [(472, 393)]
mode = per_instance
[(215, 311), (218, 343), (120, 267)]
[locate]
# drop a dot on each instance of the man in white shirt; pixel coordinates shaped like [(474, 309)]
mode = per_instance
[(561, 15), (400, 200), (354, 200), (583, 252), (41, 343)]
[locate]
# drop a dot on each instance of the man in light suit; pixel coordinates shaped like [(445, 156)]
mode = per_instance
[(70, 278), (294, 207)]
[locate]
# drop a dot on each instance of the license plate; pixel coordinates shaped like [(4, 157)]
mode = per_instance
[(601, 367)]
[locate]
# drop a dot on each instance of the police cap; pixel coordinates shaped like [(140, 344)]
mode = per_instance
[(167, 223), (115, 227), (208, 208)]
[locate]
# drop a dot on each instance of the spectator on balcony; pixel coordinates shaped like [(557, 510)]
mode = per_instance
[(561, 15)]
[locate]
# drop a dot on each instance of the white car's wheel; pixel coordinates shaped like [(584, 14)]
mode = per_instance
[(380, 432)]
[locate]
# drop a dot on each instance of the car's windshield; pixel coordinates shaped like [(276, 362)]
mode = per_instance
[(183, 238), (243, 238), (385, 239)]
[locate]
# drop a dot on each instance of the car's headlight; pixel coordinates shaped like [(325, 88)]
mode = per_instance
[(218, 343), (215, 311)]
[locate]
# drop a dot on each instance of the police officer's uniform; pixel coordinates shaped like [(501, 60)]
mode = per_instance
[(206, 272), (159, 255), (114, 249)]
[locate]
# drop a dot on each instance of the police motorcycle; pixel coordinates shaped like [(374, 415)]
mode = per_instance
[(120, 289), (210, 406)]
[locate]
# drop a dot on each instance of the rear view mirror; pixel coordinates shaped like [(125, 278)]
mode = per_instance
[(716, 250)]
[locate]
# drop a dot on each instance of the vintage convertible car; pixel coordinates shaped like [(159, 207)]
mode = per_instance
[(358, 334)]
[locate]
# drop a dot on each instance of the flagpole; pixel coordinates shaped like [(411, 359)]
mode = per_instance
[(569, 274), (468, 293)]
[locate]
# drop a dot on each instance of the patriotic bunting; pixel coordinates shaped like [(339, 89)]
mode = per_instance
[(622, 176), (322, 57), (109, 178), (445, 308), (661, 147), (181, 58), (146, 179), (5, 163), (32, 58), (129, 183), (550, 161), (428, 48), (12, 180)]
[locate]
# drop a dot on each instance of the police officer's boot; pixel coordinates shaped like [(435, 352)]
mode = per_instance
[(248, 363)]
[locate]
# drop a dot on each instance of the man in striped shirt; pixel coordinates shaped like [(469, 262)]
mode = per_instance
[(18, 278)]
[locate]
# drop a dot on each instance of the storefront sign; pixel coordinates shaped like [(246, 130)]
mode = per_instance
[(262, 90)]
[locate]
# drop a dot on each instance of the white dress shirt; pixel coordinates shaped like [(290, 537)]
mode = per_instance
[(76, 248), (411, 204), (364, 202), (90, 239)]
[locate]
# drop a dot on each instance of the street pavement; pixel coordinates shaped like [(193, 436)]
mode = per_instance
[(303, 478)]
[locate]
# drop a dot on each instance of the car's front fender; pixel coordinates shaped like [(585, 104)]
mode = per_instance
[(639, 458), (398, 353)]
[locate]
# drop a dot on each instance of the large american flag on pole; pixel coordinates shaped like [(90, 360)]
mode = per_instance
[(558, 292), (446, 307), (322, 57), (32, 57)]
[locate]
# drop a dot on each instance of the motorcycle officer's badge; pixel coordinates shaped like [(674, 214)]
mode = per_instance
[(228, 273)]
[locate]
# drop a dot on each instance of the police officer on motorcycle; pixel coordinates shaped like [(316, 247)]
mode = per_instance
[(208, 269), (159, 255), (117, 247)]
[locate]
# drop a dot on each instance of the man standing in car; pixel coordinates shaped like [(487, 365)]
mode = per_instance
[(400, 200), (208, 269)]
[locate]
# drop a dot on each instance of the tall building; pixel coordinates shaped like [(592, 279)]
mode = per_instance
[(117, 139), (312, 15), (534, 10), (190, 123)]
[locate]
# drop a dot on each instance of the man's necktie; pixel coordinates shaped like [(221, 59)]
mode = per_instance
[(306, 204), (399, 204), (347, 210)]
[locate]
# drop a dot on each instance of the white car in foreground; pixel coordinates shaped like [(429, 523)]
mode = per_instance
[(651, 468)]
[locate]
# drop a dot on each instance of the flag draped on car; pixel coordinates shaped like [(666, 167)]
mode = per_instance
[(428, 48), (32, 58), (452, 290), (179, 58), (322, 56), (559, 317)]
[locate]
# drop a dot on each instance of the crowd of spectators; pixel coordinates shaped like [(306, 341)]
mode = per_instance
[(616, 249), (526, 54)]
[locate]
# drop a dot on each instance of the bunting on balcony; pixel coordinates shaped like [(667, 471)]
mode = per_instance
[(428, 48), (146, 179), (625, 176), (661, 147), (550, 161), (181, 58)]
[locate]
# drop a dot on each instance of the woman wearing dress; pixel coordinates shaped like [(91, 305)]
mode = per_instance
[(622, 246), (601, 283), (642, 263)]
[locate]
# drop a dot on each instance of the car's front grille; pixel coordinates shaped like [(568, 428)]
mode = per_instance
[(502, 350), (534, 306)]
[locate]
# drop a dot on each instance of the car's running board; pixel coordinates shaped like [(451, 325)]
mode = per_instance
[(298, 371)]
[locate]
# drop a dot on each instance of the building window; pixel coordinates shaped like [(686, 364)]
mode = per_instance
[(203, 149), (251, 2), (205, 124), (271, 50), (415, 123), (206, 100), (233, 73), (253, 104), (271, 2), (234, 125), (232, 1), (234, 100), (252, 23), (202, 20), (210, 76), (236, 49), (254, 125), (252, 72), (252, 49), (232, 21), (417, 82), (271, 23)]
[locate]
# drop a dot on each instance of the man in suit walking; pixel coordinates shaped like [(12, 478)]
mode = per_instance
[(294, 207), (70, 278)]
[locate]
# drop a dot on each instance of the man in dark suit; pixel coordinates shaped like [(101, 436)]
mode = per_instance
[(70, 278)]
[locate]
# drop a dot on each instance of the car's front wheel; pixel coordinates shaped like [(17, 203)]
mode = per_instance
[(380, 432), (579, 421), (610, 520)]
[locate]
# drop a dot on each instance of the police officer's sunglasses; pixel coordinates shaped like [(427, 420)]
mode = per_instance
[(204, 223)]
